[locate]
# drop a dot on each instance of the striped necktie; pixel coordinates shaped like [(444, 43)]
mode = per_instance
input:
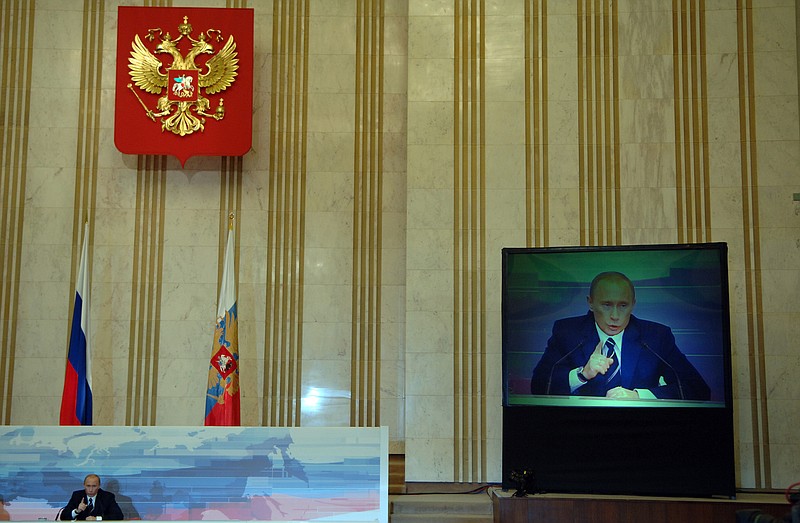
[(613, 379)]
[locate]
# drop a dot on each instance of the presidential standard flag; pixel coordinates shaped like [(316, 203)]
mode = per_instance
[(222, 396), (76, 400)]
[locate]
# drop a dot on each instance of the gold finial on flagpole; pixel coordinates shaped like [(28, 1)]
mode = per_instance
[(230, 220)]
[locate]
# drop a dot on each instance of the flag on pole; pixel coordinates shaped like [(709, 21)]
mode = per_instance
[(222, 396), (76, 400)]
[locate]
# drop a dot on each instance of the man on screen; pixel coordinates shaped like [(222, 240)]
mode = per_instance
[(609, 352)]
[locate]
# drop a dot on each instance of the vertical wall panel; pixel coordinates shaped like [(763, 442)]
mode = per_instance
[(87, 167), (146, 286), (17, 25), (598, 123), (536, 125), (365, 388), (751, 245), (469, 252), (286, 224), (691, 121)]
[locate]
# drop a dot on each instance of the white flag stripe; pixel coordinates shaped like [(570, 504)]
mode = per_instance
[(82, 286), (227, 289)]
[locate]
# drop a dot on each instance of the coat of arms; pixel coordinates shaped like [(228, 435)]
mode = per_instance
[(184, 81), (182, 109)]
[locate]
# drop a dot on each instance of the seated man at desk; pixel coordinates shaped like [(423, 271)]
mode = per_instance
[(91, 503), (609, 352)]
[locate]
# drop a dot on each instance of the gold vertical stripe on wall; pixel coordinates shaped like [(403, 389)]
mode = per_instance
[(16, 23), (146, 284), (286, 221), (230, 201), (537, 215), (88, 145), (691, 121), (230, 204), (598, 123), (469, 252), (367, 216), (752, 245), (148, 263)]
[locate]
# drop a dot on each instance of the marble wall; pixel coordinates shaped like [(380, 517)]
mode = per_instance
[(397, 147)]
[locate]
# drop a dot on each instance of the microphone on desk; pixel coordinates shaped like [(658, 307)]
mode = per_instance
[(677, 377), (562, 358)]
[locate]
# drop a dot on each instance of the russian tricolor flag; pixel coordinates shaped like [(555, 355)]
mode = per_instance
[(76, 400)]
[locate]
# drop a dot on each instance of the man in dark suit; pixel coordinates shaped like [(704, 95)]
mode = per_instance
[(91, 503), (609, 352)]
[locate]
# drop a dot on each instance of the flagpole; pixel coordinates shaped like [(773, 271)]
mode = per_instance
[(76, 398), (222, 393)]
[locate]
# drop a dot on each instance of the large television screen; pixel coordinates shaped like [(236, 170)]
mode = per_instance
[(623, 348), (666, 305)]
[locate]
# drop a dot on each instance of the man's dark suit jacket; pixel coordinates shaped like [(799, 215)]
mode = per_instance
[(648, 352), (105, 505)]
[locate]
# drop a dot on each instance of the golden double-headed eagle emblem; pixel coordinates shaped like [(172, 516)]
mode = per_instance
[(181, 108)]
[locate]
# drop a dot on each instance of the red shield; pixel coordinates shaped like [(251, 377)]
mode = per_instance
[(184, 81)]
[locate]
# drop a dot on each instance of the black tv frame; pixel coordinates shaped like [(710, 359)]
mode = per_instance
[(648, 450)]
